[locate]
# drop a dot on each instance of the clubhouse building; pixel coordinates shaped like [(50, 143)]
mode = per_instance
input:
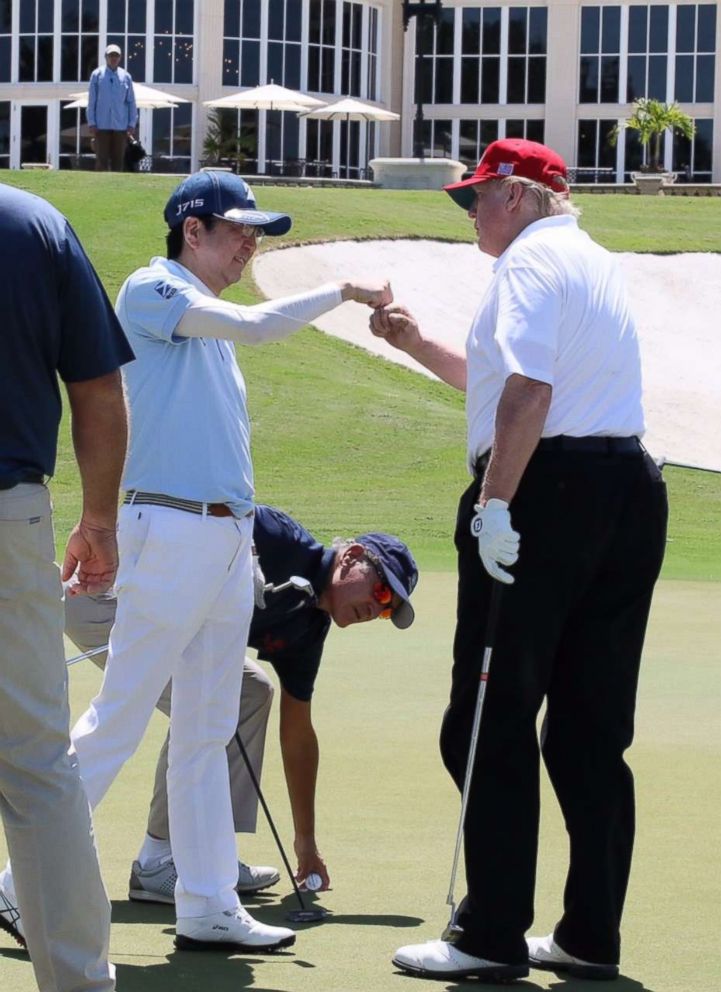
[(560, 71)]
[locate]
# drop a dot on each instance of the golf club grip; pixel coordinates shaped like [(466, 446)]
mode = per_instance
[(261, 799)]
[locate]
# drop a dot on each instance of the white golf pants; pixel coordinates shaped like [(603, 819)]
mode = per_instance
[(185, 600)]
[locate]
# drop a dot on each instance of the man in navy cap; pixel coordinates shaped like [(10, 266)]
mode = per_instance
[(185, 588), (370, 576)]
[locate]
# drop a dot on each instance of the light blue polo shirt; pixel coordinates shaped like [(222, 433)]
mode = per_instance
[(189, 428)]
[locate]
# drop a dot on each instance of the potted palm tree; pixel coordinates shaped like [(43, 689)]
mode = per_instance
[(651, 119), (223, 146)]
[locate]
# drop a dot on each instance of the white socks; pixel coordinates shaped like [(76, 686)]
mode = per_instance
[(153, 851)]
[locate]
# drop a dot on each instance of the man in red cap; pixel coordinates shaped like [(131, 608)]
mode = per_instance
[(552, 378)]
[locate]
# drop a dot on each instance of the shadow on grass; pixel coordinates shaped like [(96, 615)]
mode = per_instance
[(194, 970), (273, 912), (560, 984)]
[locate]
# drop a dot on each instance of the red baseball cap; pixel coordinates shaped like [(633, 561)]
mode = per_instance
[(513, 157)]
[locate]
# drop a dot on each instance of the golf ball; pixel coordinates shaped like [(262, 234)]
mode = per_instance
[(313, 882)]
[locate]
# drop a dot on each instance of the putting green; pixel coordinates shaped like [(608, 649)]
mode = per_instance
[(387, 818)]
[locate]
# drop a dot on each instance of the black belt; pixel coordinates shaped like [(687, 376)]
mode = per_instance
[(134, 496), (591, 445), (26, 480), (577, 446)]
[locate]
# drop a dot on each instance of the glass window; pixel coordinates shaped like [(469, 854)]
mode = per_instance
[(231, 62), (588, 81), (517, 22), (231, 19), (590, 31), (250, 63), (471, 30), (706, 27), (516, 80), (4, 134), (444, 32), (5, 44), (636, 78), (657, 77), (685, 28), (609, 79), (611, 37), (444, 81), (490, 80), (492, 30), (469, 81), (536, 80), (251, 18), (684, 78), (705, 73), (658, 29), (637, 22), (537, 31), (174, 41)]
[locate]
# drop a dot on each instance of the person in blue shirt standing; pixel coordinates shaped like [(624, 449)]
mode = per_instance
[(112, 113), (351, 581), (57, 320)]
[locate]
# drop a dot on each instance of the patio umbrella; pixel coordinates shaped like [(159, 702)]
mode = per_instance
[(270, 97), (146, 97), (349, 109)]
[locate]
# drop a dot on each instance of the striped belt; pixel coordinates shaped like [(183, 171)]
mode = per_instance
[(134, 496)]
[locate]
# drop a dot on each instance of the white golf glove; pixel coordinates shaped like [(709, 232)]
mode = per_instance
[(258, 583), (497, 541)]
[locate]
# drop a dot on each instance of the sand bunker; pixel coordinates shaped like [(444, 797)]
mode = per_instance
[(676, 300)]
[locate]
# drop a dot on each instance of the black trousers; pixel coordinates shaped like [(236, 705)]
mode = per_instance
[(570, 631)]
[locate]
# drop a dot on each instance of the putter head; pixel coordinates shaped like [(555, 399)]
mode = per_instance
[(315, 915), (452, 932), (302, 585)]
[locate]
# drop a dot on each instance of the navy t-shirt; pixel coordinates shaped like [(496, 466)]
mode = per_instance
[(291, 630), (56, 319)]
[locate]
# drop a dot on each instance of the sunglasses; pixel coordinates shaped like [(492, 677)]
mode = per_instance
[(382, 592), (251, 231)]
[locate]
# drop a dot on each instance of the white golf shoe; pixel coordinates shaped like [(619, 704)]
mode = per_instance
[(439, 959), (546, 954), (10, 920), (235, 929)]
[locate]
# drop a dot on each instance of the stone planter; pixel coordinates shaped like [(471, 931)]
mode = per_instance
[(416, 173), (652, 183)]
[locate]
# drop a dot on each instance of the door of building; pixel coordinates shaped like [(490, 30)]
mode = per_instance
[(34, 134)]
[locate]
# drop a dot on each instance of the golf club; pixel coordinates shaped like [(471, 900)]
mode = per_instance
[(305, 914), (662, 461), (294, 582), (491, 624), (86, 654)]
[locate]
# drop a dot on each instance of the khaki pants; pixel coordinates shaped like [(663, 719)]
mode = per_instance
[(64, 908), (110, 150), (88, 620)]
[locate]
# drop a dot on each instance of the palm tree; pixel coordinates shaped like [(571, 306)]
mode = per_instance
[(651, 118), (223, 141)]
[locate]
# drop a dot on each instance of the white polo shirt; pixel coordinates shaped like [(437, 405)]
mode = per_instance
[(556, 311)]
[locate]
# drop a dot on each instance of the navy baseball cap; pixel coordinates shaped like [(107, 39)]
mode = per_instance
[(398, 567), (223, 195)]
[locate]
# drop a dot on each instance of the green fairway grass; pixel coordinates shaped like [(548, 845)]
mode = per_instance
[(388, 443), (388, 814)]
